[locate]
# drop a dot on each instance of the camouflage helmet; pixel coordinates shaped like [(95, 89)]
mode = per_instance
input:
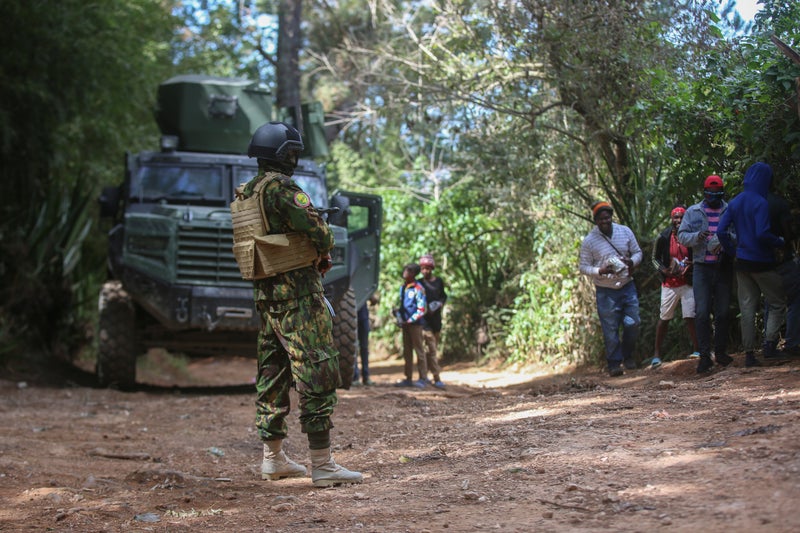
[(275, 141)]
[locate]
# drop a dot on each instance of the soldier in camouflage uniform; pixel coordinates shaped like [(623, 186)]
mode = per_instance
[(295, 344)]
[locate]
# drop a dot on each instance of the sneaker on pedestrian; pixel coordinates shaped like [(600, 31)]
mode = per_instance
[(705, 364), (655, 363), (404, 383), (750, 360), (368, 383), (615, 371), (438, 384), (723, 359), (420, 383), (771, 350), (694, 355), (630, 363)]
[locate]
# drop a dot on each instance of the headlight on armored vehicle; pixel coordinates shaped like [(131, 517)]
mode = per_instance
[(169, 143)]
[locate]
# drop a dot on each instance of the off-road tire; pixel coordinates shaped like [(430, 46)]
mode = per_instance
[(345, 335), (117, 346)]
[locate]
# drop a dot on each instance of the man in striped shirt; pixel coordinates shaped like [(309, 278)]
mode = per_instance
[(608, 254), (712, 278)]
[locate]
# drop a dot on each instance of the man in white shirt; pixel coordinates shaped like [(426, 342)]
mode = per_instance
[(608, 254)]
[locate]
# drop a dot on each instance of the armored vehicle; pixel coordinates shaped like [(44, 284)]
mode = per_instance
[(173, 281)]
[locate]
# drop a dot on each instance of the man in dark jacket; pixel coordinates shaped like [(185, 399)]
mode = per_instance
[(782, 224), (432, 329), (756, 263)]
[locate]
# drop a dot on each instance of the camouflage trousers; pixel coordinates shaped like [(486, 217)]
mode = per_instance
[(295, 347)]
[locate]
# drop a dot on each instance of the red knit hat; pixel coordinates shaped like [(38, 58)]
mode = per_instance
[(601, 206), (713, 182), (427, 260)]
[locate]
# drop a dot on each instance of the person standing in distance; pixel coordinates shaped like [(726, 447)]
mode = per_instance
[(673, 262), (432, 329), (712, 277), (362, 321), (410, 316), (295, 343), (608, 254)]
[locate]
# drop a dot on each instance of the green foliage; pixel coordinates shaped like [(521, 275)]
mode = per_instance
[(739, 105), (581, 100), (554, 318), (43, 298), (487, 127), (78, 84)]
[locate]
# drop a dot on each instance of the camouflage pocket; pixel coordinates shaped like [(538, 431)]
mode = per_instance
[(303, 327), (319, 374)]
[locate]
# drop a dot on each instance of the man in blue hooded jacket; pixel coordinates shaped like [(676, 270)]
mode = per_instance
[(756, 264)]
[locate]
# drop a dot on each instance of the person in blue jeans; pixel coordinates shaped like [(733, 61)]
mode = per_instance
[(608, 254), (712, 279)]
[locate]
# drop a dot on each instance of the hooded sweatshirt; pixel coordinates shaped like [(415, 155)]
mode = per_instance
[(748, 213)]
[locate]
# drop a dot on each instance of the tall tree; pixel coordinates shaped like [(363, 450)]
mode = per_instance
[(290, 42), (76, 91)]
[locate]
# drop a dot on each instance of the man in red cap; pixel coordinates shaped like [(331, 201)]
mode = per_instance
[(432, 329), (608, 254), (674, 264), (712, 277)]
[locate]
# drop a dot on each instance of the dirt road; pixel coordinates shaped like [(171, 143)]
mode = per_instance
[(513, 451)]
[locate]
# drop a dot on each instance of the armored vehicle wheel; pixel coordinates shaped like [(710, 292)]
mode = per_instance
[(345, 334), (116, 353)]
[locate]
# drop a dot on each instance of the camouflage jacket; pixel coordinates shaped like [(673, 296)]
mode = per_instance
[(288, 209)]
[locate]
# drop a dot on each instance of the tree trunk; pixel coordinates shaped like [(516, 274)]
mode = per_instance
[(290, 40)]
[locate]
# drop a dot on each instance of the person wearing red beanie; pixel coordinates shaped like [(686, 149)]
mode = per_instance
[(608, 255), (712, 277), (673, 261), (432, 329)]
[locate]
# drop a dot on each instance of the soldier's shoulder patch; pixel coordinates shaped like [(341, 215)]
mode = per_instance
[(301, 199)]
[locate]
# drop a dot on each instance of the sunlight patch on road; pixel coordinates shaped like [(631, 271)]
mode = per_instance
[(520, 415), (492, 378)]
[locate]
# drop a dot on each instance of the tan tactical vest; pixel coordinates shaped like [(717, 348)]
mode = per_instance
[(258, 254)]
